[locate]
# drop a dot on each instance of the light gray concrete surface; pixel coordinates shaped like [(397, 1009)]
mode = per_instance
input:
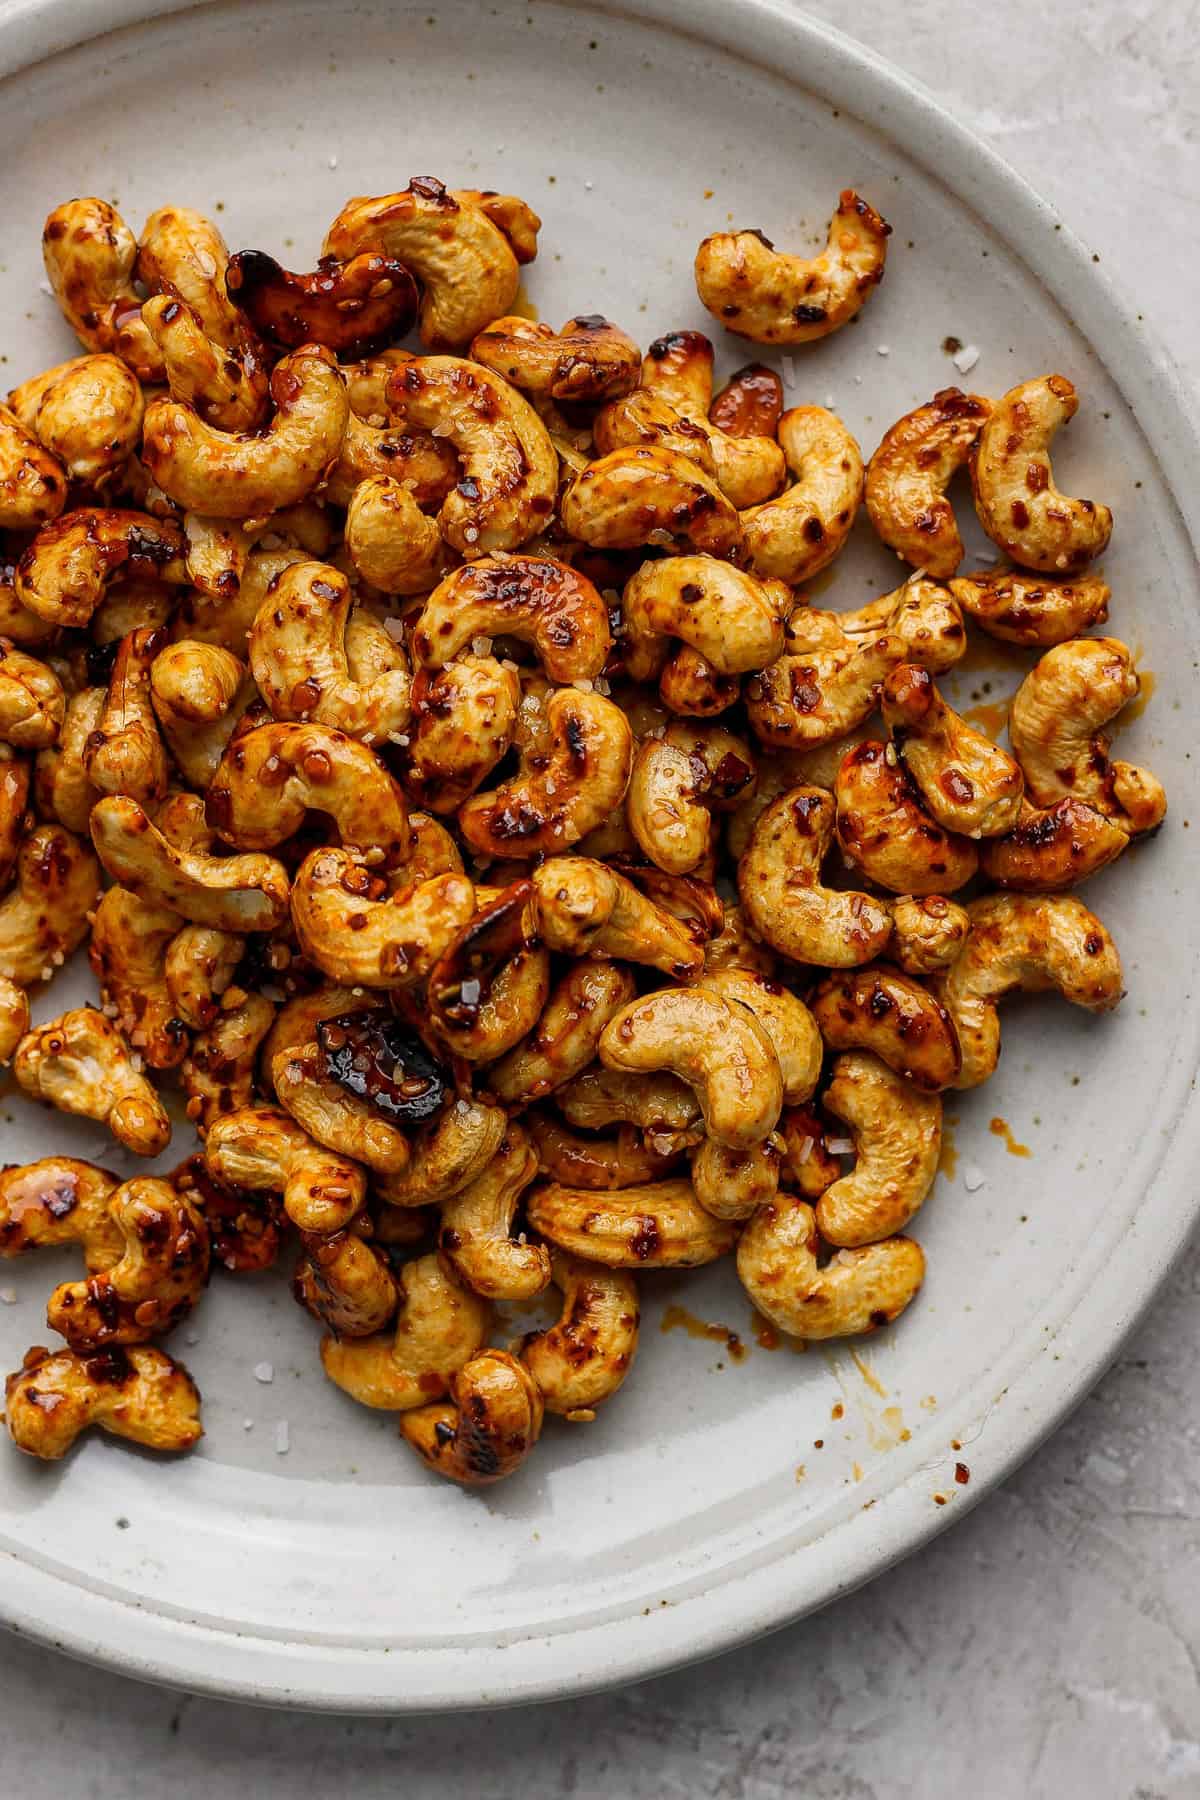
[(1050, 1645)]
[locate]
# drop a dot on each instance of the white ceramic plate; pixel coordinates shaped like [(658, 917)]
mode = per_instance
[(698, 1511)]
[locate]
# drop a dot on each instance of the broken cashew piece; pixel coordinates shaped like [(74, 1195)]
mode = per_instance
[(1018, 504), (584, 1357), (856, 1292), (80, 1063), (779, 881), (139, 1394), (908, 475), (970, 785)]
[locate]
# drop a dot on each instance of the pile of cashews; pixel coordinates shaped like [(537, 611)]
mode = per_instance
[(360, 706)]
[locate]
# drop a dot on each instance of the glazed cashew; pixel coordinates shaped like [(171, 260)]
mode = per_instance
[(779, 880), (129, 941), (476, 1230), (15, 784), (232, 893), (1053, 847), (649, 494), (86, 412), (883, 829), (63, 575), (448, 1154), (59, 1200), (786, 1020), (270, 777), (80, 1063), (968, 783), (1056, 725), (762, 293), (154, 1284), (1022, 609), (794, 537), (260, 1147), (125, 753), (656, 1226), (199, 692), (333, 1117), (715, 1045), (890, 1014), (909, 473), (218, 1071), (665, 808), (457, 246), (346, 1282), (439, 1327), (689, 687), (927, 934), (15, 1017), (567, 1035), (583, 1358), (542, 602), (464, 719), (89, 253), (17, 622), (360, 934), (782, 769), (732, 1184), (509, 482), (391, 543), (486, 1429), (1020, 942), (32, 702), (299, 661), (925, 618), (489, 986), (350, 306), (228, 475), (374, 449), (586, 909), (856, 1292), (590, 359), (733, 621), (227, 392), (815, 696), (750, 403), (181, 253), (626, 1159), (735, 948), (139, 1394), (1018, 504), (199, 966), (659, 1104), (44, 916), (33, 483)]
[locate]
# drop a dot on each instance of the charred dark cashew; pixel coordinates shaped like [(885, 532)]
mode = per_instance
[(544, 603), (488, 987), (589, 359), (63, 575), (351, 307)]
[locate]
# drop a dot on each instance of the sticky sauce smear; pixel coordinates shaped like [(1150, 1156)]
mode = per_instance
[(523, 307), (948, 1158), (1002, 1129), (989, 716), (766, 1336), (868, 1374), (1141, 699), (678, 1318)]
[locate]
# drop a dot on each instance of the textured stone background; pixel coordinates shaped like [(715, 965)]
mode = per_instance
[(1050, 1644)]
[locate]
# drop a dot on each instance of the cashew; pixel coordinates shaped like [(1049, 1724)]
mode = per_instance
[(716, 1046), (152, 1286), (62, 788), (125, 753), (795, 536), (590, 359), (883, 829), (897, 1136), (237, 476), (215, 617), (15, 1017), (567, 1035), (925, 618), (489, 986), (786, 1020), (218, 1071), (887, 1012), (814, 696), (346, 1283), (730, 618), (486, 1429), (1018, 504), (586, 909), (80, 1063), (734, 947), (664, 808), (656, 1226), (226, 391), (1053, 847), (732, 1184), (649, 495), (464, 718), (762, 293), (198, 967), (750, 403), (360, 934), (692, 688), (139, 1394), (233, 893), (271, 776), (627, 1159), (1056, 725), (476, 1230), (909, 473), (89, 253), (1022, 609), (33, 483), (299, 661), (968, 783), (1028, 944), (181, 252), (32, 702), (44, 917), (15, 784), (439, 1327), (373, 449), (130, 937), (540, 601), (17, 622), (659, 1104), (332, 1116), (391, 543), (779, 770), (86, 412), (63, 574), (689, 899), (59, 1200), (447, 1155), (583, 1358), (779, 881), (200, 693), (927, 934), (261, 1147), (856, 1292), (350, 306)]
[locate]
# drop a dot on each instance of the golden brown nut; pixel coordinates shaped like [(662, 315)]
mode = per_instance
[(883, 829), (360, 934), (33, 483), (750, 403), (464, 719), (63, 575), (1018, 504), (589, 359), (80, 1063), (659, 1104), (181, 252), (63, 790), (1052, 848), (391, 543), (882, 1010), (233, 893), (655, 1226), (968, 783), (487, 1428), (156, 1281), (348, 306), (584, 1357), (909, 473), (372, 448), (59, 1200), (200, 693), (44, 916), (139, 1394), (779, 880), (585, 908), (439, 1327), (732, 1184), (125, 753), (786, 1020), (856, 1292), (795, 536), (32, 702), (730, 618), (346, 1283), (129, 942), (649, 495), (270, 777), (922, 614), (1029, 610), (15, 783), (540, 601), (476, 1238), (198, 968), (228, 391), (447, 1155), (762, 293), (260, 1147), (298, 657), (89, 253), (813, 696), (626, 1159), (691, 688), (927, 934), (591, 992), (218, 1071)]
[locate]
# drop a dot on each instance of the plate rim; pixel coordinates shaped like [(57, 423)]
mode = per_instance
[(120, 1634)]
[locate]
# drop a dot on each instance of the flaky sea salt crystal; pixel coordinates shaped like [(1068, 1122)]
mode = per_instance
[(264, 1371), (966, 358)]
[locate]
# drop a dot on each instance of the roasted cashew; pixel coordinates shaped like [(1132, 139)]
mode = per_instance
[(921, 613), (476, 1238), (89, 253), (333, 1117), (968, 783), (15, 783), (129, 941), (690, 687), (486, 1429), (217, 1073), (59, 1200), (17, 622), (665, 810), (198, 968), (1018, 504), (227, 391), (694, 902), (734, 621), (592, 991), (233, 893), (80, 1063), (152, 1286), (488, 987), (814, 696), (781, 769), (298, 658), (1052, 848), (509, 481), (890, 1014), (585, 908), (447, 1154), (856, 1292), (795, 536), (63, 574), (454, 243), (32, 702), (732, 1184), (125, 753), (590, 359), (779, 881), (351, 307), (139, 1394), (750, 404), (717, 1046), (583, 1358), (786, 1020), (86, 412), (373, 449), (927, 934), (1056, 725), (762, 293), (663, 1107), (391, 543), (627, 1159), (261, 1147), (734, 947), (1025, 943), (272, 776), (909, 473), (656, 1226), (45, 915), (883, 829), (33, 483), (15, 1017), (649, 495), (464, 719), (1029, 610), (346, 1282), (439, 1327), (540, 601), (360, 934), (200, 693), (182, 253)]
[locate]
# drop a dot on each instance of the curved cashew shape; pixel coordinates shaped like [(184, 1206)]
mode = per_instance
[(45, 916), (856, 1292), (1056, 725), (812, 696), (649, 494), (372, 448), (439, 1327), (464, 719), (665, 810), (509, 482), (350, 306), (80, 1063), (883, 829), (217, 1073), (89, 253), (200, 693), (762, 293), (15, 1017), (927, 934), (271, 776), (732, 1184), (17, 622), (690, 688), (1034, 612), (15, 784), (909, 473), (182, 253), (585, 908), (779, 880), (476, 1230), (227, 391), (32, 702), (63, 575), (199, 965), (33, 483), (540, 601), (1052, 848), (590, 359), (925, 618), (591, 993), (717, 1046), (968, 783), (59, 1200), (890, 1014), (795, 536), (1025, 943), (153, 1285), (125, 753), (734, 947), (456, 244), (391, 543), (228, 475), (232, 893), (447, 1155), (299, 662), (1018, 504), (583, 1358), (359, 934), (658, 1225), (260, 1147), (139, 1394), (660, 1105), (346, 1282), (624, 1160), (731, 619), (488, 987), (897, 1136), (486, 1429), (786, 1020), (129, 941)]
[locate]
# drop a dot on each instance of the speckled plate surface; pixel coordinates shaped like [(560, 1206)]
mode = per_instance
[(719, 1497)]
